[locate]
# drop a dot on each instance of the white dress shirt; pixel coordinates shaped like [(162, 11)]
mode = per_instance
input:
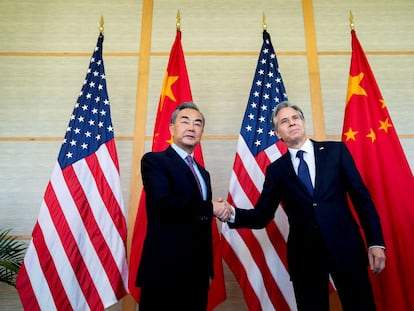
[(183, 154), (308, 156)]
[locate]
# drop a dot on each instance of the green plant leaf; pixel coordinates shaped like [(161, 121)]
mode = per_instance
[(12, 253)]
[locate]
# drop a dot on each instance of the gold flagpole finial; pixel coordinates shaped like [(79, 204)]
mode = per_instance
[(351, 20), (178, 22), (264, 22), (101, 24)]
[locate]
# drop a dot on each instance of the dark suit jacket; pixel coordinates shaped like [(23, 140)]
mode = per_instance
[(178, 243), (327, 211)]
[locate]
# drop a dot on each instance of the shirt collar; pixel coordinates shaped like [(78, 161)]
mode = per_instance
[(181, 152), (307, 147)]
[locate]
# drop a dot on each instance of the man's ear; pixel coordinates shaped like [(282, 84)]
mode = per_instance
[(280, 137), (277, 134)]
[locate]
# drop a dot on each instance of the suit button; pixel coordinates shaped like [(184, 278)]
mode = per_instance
[(202, 218)]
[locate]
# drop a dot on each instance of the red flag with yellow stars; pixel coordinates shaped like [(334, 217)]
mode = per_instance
[(371, 137), (175, 90)]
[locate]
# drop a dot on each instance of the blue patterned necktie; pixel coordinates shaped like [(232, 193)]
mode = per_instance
[(303, 172), (190, 164)]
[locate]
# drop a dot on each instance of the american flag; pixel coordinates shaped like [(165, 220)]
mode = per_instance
[(76, 259), (258, 257)]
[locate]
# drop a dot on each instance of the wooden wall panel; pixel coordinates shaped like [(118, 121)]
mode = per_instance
[(68, 26), (381, 25), (39, 93), (25, 171), (45, 47), (227, 26), (36, 88)]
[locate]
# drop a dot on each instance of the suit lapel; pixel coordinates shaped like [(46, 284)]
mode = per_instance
[(179, 163), (182, 165), (295, 176), (290, 171)]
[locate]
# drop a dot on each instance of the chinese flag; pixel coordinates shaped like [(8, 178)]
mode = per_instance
[(371, 137), (175, 90)]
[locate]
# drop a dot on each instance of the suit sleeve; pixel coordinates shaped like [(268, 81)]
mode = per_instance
[(264, 211), (361, 200)]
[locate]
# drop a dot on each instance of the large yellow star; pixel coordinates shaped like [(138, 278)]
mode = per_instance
[(170, 141), (384, 125), (350, 134), (166, 88), (372, 135), (354, 86)]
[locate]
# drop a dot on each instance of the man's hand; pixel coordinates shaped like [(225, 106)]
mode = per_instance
[(376, 257), (222, 209)]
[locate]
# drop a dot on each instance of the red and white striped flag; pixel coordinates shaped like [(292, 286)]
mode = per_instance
[(76, 259), (258, 257)]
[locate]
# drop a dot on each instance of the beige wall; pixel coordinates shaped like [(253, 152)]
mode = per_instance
[(45, 47)]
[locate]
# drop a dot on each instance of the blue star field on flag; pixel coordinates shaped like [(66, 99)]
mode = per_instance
[(90, 124), (267, 91)]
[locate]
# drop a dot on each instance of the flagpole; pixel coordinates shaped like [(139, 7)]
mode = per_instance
[(351, 20), (101, 25), (178, 20), (264, 22)]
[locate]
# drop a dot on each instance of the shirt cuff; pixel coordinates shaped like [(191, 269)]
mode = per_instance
[(380, 246), (232, 218)]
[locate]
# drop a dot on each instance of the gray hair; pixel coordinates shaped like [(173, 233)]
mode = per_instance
[(285, 104), (185, 105)]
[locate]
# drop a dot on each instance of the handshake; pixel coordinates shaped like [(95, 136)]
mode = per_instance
[(222, 209)]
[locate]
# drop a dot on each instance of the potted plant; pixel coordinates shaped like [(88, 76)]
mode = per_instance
[(11, 257)]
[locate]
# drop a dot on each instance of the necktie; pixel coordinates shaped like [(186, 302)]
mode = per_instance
[(303, 172), (190, 164)]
